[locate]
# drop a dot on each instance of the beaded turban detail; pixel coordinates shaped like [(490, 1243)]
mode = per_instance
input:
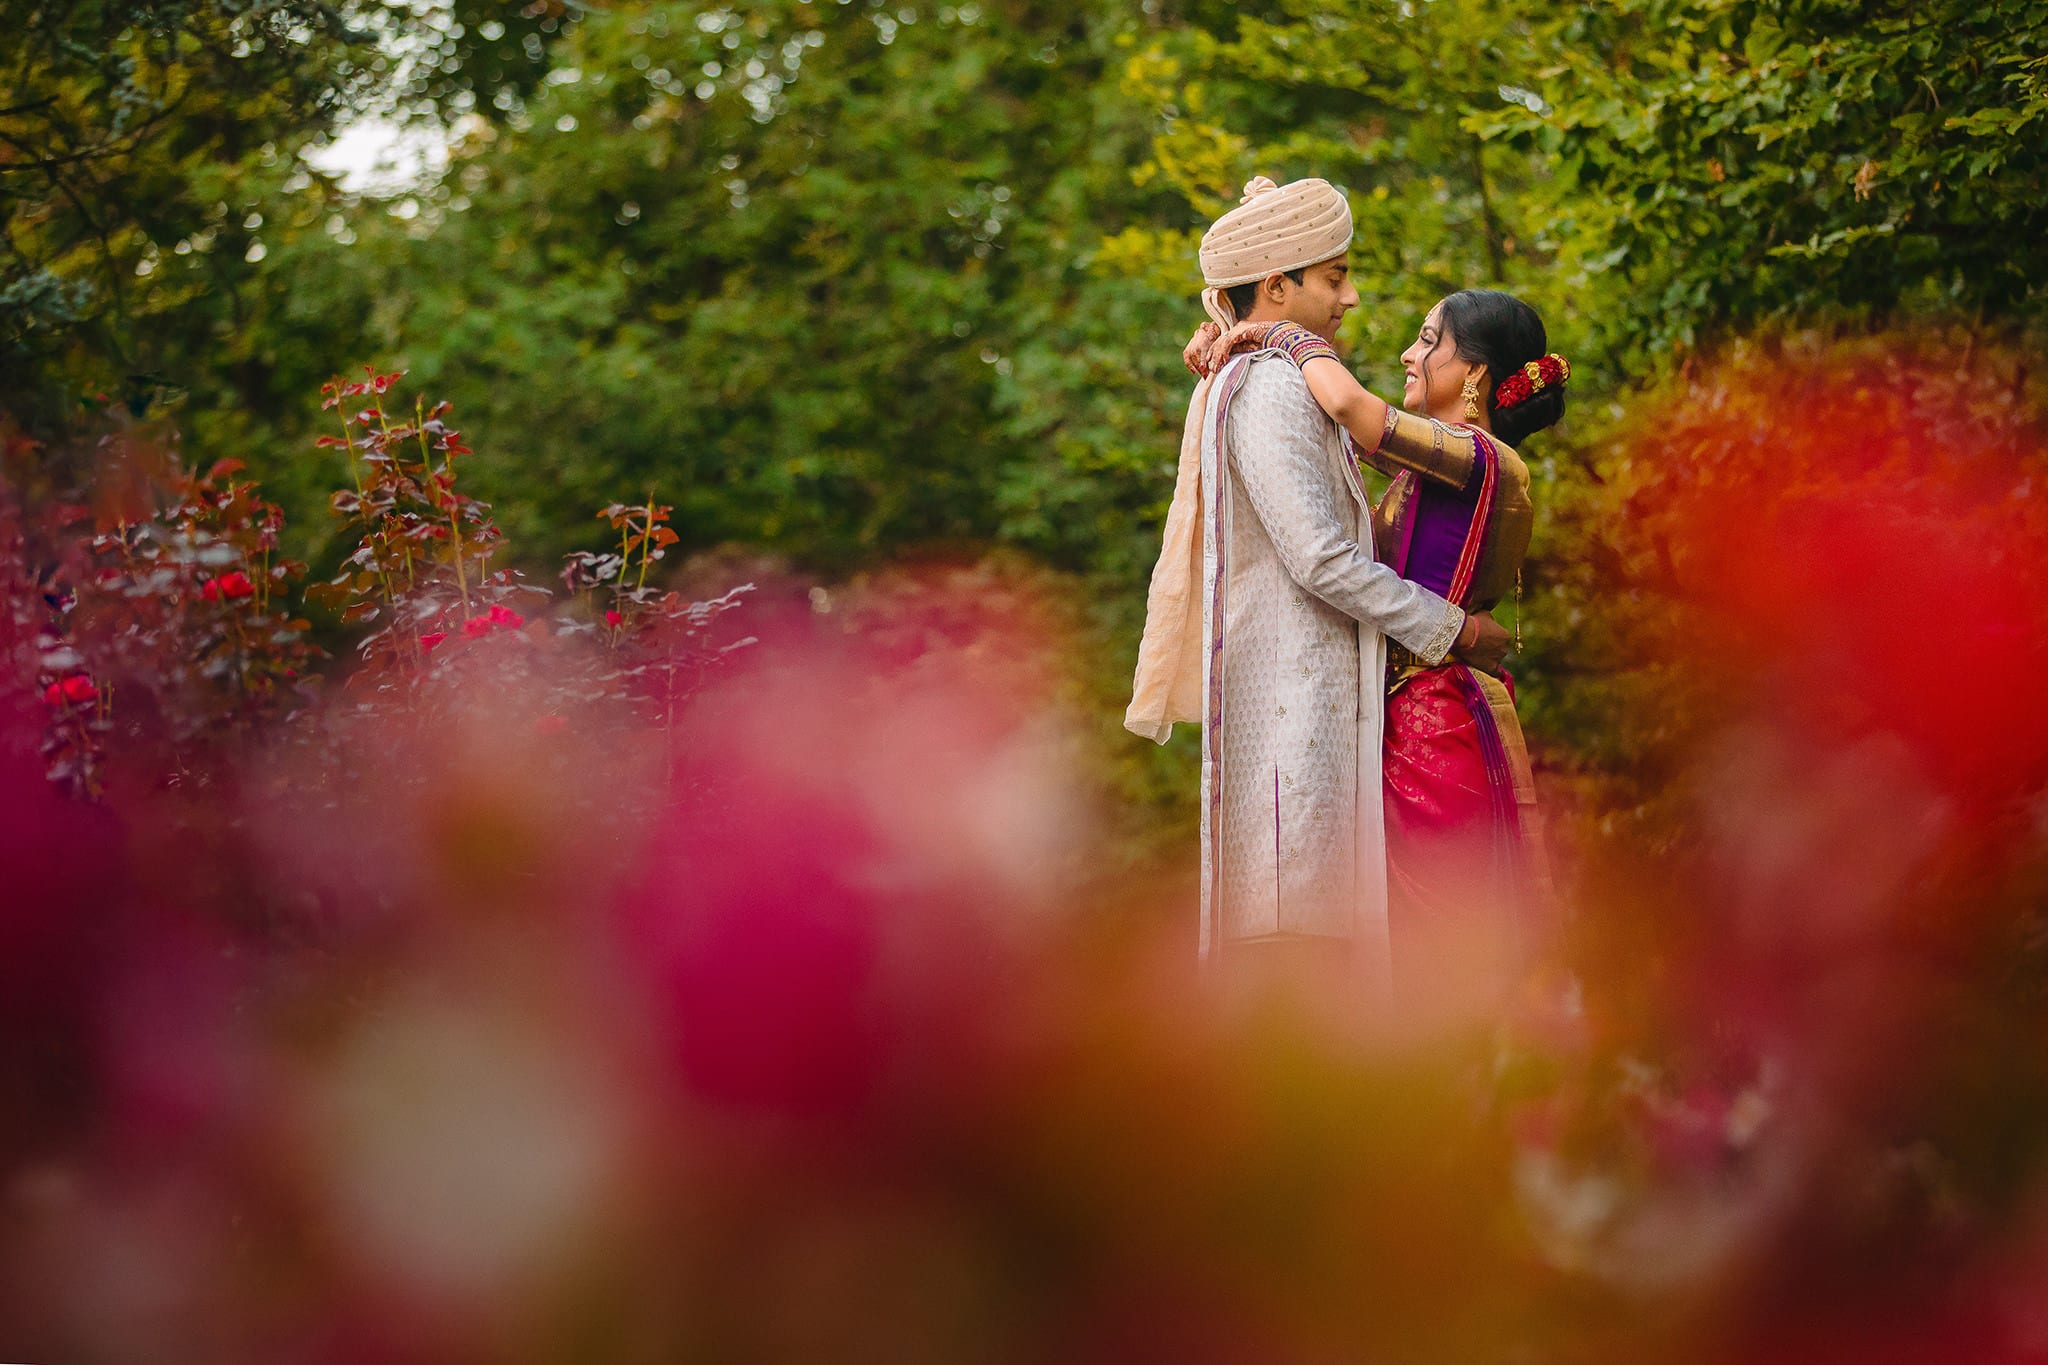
[(1274, 228)]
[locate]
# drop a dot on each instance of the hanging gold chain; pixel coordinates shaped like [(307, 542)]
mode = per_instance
[(1518, 611)]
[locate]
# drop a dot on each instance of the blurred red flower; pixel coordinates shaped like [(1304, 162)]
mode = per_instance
[(230, 586), (502, 615), (77, 689), (476, 627), (432, 638)]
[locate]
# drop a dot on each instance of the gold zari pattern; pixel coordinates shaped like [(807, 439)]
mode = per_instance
[(1446, 456)]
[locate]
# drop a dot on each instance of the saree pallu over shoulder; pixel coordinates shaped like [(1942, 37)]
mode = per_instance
[(1444, 454), (1444, 466)]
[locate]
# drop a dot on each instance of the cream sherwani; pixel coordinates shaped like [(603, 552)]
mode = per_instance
[(1294, 608)]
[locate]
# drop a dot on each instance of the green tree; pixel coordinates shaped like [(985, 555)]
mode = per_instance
[(1723, 162), (785, 262), (149, 149)]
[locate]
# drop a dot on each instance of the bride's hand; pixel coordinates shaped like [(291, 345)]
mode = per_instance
[(1198, 347), (1246, 336)]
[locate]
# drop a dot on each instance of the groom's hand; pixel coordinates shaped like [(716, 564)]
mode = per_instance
[(1482, 643)]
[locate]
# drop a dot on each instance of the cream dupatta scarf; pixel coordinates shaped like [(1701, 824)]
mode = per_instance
[(1167, 686)]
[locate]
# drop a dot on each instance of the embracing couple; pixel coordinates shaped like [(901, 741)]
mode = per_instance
[(1366, 798)]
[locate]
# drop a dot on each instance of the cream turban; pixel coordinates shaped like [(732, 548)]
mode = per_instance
[(1274, 228)]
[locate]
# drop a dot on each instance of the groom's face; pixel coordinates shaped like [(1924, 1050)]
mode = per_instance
[(1322, 298)]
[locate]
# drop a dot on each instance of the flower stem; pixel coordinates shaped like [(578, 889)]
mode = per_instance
[(646, 541)]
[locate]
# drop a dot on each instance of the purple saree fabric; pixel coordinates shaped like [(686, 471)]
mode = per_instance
[(1435, 524)]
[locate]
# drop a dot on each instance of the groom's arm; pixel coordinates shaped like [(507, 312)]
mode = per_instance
[(1276, 446)]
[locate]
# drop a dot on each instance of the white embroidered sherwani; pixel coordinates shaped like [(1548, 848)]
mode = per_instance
[(1293, 610)]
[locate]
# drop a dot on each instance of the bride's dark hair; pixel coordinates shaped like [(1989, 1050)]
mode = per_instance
[(1502, 333)]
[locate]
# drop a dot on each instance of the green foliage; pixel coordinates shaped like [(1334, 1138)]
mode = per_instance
[(784, 263), (149, 164), (1720, 163), (1376, 100)]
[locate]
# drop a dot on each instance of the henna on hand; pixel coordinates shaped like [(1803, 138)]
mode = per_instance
[(1197, 348), (1245, 336)]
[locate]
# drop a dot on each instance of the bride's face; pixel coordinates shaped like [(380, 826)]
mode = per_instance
[(1434, 376)]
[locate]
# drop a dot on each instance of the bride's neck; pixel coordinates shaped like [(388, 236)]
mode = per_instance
[(1453, 414)]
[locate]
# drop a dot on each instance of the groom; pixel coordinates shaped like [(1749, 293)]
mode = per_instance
[(1268, 616)]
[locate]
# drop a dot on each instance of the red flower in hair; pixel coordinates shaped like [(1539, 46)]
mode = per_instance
[(1548, 373)]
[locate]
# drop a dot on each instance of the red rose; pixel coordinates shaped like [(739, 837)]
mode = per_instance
[(76, 689)]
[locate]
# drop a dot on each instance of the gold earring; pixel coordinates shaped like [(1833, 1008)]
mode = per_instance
[(1472, 397)]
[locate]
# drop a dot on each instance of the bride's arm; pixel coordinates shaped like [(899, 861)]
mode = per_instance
[(1384, 436), (1350, 404)]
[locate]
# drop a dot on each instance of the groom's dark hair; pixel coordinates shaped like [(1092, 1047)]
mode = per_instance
[(1243, 296)]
